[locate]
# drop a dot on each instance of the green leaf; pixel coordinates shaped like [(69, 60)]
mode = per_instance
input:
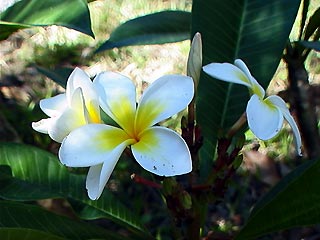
[(293, 202), (27, 216), (72, 14), (26, 234), (156, 28), (86, 212), (305, 4), (39, 175), (256, 32), (7, 28), (314, 23), (17, 189), (315, 45), (58, 75)]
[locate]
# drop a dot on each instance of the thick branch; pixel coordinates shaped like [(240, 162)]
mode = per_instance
[(303, 104)]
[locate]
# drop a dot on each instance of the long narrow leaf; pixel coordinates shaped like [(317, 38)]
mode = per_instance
[(315, 45), (72, 14), (313, 25), (156, 28), (294, 201), (305, 8), (58, 75), (18, 215), (17, 189), (255, 31), (7, 28), (26, 234), (39, 174)]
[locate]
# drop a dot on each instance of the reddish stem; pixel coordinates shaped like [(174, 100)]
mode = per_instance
[(138, 179)]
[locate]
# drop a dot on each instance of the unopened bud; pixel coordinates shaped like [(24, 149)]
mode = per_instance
[(185, 200), (169, 186), (195, 59)]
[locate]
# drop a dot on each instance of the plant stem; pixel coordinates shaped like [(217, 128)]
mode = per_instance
[(138, 179), (193, 230), (303, 104), (237, 126)]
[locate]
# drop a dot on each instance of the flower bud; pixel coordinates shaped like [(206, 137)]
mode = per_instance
[(169, 186), (185, 200), (195, 59)]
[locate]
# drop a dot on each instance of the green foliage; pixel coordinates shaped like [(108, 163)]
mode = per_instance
[(305, 7), (26, 234), (37, 174), (313, 25), (156, 28), (293, 202), (26, 216), (254, 31), (312, 29), (315, 45), (58, 75), (72, 14)]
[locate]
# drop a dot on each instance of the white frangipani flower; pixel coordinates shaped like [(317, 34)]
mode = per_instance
[(78, 106), (265, 115), (157, 149)]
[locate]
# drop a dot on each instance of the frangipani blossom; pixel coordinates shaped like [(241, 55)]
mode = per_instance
[(265, 115), (157, 149), (78, 106)]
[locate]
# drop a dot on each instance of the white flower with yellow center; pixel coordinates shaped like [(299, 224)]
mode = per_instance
[(157, 149), (78, 106), (265, 115)]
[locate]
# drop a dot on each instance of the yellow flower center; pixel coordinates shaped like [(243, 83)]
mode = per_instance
[(256, 90), (146, 115), (135, 122), (270, 104), (110, 139), (243, 77)]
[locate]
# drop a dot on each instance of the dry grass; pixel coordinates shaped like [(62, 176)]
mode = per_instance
[(52, 46)]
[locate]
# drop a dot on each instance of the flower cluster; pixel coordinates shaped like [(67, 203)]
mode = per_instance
[(265, 115), (74, 119)]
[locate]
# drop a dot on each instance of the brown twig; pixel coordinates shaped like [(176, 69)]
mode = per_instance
[(138, 179)]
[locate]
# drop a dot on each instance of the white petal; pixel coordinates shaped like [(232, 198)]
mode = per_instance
[(117, 96), (93, 144), (54, 106), (72, 118), (67, 122), (277, 101), (264, 120), (227, 72), (93, 181), (77, 100), (165, 97), (79, 79), (243, 67), (98, 177), (43, 125), (255, 87), (162, 152)]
